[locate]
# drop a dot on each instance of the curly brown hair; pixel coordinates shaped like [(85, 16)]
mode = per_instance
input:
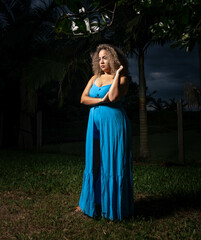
[(116, 58)]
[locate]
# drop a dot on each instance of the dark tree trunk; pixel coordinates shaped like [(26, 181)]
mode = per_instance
[(39, 130), (199, 46), (144, 150), (25, 140), (1, 128), (180, 132), (25, 132)]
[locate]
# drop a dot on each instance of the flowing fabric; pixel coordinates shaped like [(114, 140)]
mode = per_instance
[(113, 188)]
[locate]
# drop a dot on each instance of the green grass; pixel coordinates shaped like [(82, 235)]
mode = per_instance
[(39, 192)]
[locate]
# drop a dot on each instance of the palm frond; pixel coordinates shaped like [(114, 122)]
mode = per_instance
[(41, 71), (4, 22), (8, 5)]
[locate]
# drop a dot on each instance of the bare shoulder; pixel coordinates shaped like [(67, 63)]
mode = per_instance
[(92, 79), (124, 84), (124, 80)]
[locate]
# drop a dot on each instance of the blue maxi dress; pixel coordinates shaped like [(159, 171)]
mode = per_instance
[(113, 188)]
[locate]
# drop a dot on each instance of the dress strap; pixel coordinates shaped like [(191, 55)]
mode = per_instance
[(95, 79)]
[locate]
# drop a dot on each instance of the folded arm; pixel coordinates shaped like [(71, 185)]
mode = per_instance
[(119, 87), (87, 100)]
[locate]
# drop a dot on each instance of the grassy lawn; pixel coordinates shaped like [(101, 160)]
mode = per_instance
[(39, 192)]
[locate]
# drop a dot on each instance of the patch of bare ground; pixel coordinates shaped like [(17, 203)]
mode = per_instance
[(21, 213), (12, 213)]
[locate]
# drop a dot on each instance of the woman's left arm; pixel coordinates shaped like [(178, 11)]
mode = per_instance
[(119, 87)]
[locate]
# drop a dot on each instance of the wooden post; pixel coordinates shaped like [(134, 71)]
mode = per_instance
[(1, 128), (39, 130), (180, 132)]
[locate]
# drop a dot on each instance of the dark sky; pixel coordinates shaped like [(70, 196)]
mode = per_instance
[(167, 69)]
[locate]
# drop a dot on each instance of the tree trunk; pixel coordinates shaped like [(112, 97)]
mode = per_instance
[(1, 128), (199, 46), (25, 132), (39, 130), (144, 150), (25, 140), (180, 132)]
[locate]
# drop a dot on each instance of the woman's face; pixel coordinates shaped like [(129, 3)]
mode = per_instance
[(104, 61)]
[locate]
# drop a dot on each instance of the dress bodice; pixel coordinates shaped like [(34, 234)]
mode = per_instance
[(98, 92)]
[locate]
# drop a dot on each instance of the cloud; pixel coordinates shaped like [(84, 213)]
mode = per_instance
[(167, 69), (153, 76)]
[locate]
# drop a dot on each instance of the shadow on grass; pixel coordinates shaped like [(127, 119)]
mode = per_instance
[(152, 207)]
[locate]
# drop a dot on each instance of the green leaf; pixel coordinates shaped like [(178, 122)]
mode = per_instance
[(95, 3), (185, 15), (104, 23), (74, 5), (81, 26), (121, 2), (63, 26), (58, 2)]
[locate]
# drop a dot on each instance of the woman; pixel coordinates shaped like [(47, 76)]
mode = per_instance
[(107, 179)]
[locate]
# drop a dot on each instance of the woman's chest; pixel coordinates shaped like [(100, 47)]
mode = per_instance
[(103, 81), (98, 92)]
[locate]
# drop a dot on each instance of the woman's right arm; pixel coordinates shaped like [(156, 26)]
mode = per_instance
[(85, 99)]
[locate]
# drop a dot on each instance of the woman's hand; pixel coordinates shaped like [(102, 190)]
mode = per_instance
[(119, 69), (105, 99)]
